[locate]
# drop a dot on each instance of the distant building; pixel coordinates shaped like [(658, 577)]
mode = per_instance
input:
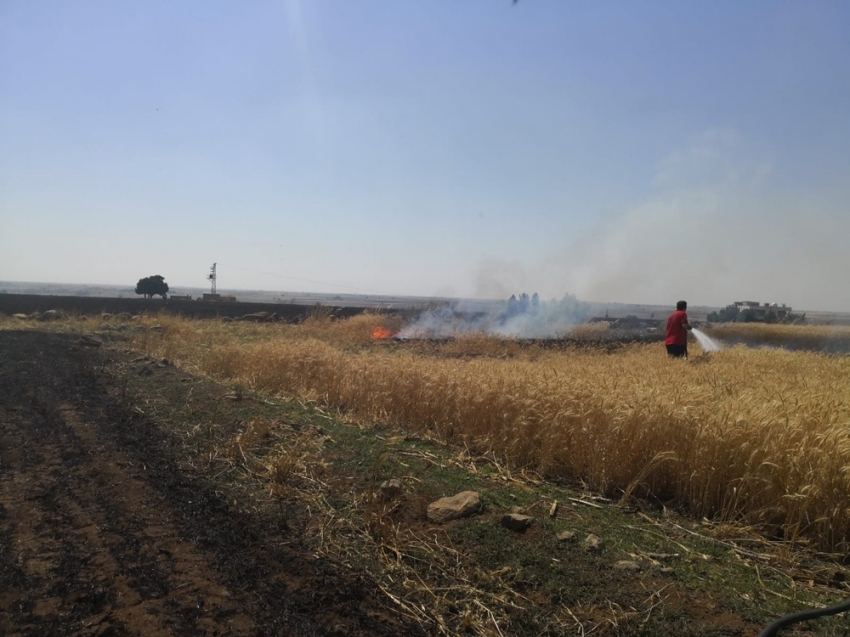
[(178, 297), (760, 310)]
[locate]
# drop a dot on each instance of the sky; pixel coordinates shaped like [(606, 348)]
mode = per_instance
[(619, 151)]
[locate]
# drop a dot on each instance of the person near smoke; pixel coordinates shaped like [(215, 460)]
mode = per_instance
[(677, 331)]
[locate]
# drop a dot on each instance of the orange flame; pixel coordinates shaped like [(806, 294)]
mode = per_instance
[(381, 332)]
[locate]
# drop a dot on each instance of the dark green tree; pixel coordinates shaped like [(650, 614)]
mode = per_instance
[(728, 314), (152, 285)]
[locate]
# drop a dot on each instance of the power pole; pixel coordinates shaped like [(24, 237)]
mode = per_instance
[(212, 278)]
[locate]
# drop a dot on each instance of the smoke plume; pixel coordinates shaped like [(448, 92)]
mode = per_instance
[(520, 317), (722, 226)]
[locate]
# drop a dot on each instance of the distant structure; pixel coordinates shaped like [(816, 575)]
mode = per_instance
[(760, 310), (212, 279), (176, 297)]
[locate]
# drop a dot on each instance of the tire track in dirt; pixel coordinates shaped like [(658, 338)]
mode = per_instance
[(102, 533)]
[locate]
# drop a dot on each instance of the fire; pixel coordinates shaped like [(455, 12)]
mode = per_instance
[(381, 332)]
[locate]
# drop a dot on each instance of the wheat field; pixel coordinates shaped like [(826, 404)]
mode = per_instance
[(757, 437), (810, 337)]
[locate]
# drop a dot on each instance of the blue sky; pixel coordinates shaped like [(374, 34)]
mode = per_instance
[(621, 151)]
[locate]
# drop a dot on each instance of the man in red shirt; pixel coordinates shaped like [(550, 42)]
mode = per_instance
[(677, 331)]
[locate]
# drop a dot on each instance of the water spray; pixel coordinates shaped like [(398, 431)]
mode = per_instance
[(707, 343)]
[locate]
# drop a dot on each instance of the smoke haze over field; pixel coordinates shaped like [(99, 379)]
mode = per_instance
[(522, 318), (718, 229)]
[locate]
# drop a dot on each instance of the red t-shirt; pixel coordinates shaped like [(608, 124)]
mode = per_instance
[(676, 334)]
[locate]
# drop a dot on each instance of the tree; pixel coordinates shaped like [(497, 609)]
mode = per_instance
[(728, 314), (152, 285)]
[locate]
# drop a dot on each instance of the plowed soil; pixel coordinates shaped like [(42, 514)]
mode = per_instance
[(103, 533)]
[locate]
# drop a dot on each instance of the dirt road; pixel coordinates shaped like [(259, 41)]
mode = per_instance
[(103, 533)]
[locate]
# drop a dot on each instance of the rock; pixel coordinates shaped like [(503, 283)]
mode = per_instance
[(626, 565), (667, 570), (566, 536), (136, 317), (52, 315), (553, 510), (108, 328), (90, 340), (455, 507), (20, 317), (226, 319), (516, 509), (156, 328), (140, 359), (35, 316), (516, 522), (138, 328), (593, 543), (390, 488)]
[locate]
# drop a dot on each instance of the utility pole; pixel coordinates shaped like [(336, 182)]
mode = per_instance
[(212, 278)]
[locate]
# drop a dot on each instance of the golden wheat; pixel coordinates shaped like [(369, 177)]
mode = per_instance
[(589, 331), (752, 436), (809, 337)]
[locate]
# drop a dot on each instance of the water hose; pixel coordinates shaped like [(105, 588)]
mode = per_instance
[(802, 616)]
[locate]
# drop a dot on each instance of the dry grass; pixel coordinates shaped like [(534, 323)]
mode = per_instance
[(811, 337), (758, 437), (743, 436), (590, 331)]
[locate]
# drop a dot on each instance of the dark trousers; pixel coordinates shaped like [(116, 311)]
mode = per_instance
[(677, 351)]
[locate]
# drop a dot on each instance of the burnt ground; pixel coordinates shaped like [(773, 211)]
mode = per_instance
[(103, 532)]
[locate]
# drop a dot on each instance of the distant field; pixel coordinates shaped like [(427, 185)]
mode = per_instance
[(815, 338), (755, 436)]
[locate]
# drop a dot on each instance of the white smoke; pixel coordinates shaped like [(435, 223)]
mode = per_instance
[(519, 318), (719, 228)]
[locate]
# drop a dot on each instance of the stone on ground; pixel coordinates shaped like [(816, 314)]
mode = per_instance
[(90, 340), (627, 565), (455, 507), (390, 488), (516, 522), (593, 543)]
